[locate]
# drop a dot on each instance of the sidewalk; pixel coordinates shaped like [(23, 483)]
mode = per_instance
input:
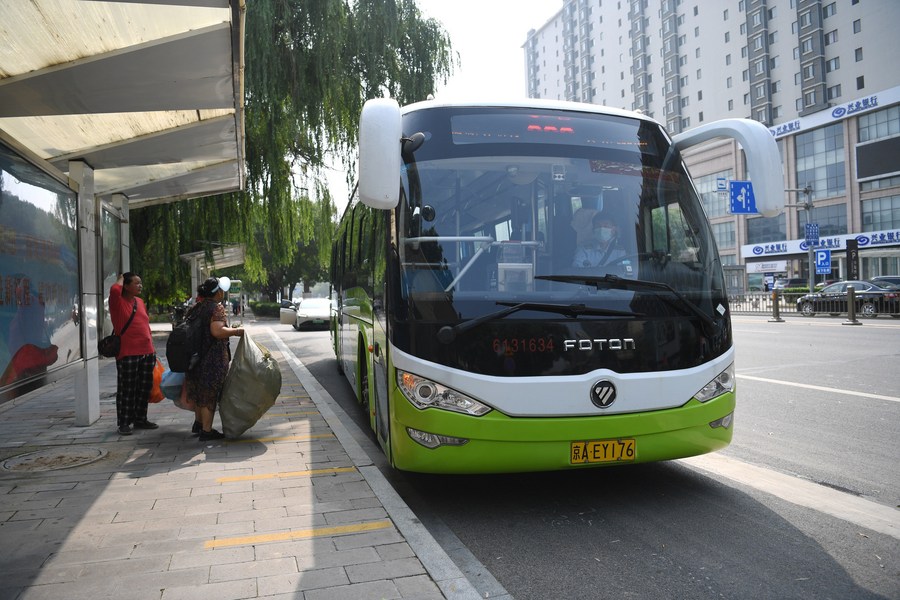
[(293, 509)]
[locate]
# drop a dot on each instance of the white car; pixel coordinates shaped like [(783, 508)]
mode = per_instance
[(288, 312), (313, 313)]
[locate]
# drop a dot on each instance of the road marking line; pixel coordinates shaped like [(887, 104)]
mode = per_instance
[(286, 474), (286, 536), (302, 396), (820, 388), (316, 436), (296, 414), (844, 506)]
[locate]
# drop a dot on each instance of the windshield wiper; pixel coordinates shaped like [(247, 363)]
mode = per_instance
[(609, 281), (447, 333)]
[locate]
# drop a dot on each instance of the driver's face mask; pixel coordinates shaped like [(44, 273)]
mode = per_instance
[(603, 234)]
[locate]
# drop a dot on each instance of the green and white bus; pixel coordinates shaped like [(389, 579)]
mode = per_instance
[(472, 335)]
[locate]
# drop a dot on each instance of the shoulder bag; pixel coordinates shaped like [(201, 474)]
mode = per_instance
[(110, 345)]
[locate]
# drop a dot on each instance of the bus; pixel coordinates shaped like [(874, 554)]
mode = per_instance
[(472, 335)]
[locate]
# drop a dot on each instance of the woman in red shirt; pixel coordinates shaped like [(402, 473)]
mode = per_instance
[(137, 356)]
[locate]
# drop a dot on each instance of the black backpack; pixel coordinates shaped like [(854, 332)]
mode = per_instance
[(183, 348)]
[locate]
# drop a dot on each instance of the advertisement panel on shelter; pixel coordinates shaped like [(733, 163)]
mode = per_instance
[(39, 294)]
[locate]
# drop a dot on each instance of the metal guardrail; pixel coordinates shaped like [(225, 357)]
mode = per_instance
[(764, 303)]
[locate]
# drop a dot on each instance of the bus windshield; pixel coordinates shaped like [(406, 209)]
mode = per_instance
[(526, 206)]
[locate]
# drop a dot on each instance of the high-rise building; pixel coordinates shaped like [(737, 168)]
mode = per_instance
[(823, 75)]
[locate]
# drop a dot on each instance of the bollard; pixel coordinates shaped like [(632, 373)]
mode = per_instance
[(851, 307), (776, 307)]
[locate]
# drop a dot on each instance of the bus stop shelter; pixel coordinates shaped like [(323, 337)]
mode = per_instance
[(105, 106)]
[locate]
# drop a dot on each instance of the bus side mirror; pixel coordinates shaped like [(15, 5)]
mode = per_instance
[(761, 150), (379, 153)]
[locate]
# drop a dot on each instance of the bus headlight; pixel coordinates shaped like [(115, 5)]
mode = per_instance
[(424, 393), (722, 384)]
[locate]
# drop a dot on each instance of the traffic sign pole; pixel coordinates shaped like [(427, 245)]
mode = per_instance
[(808, 206)]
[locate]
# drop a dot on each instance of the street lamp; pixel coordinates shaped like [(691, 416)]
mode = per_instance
[(807, 205)]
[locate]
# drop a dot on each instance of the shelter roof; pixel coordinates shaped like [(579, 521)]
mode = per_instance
[(149, 94)]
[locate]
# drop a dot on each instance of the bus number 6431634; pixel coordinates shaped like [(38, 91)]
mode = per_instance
[(516, 345)]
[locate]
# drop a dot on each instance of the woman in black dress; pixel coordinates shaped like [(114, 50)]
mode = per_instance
[(205, 381)]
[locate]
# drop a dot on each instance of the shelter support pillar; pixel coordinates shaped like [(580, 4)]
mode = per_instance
[(87, 381), (120, 203)]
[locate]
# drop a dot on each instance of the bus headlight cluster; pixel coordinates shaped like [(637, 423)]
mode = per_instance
[(722, 384), (434, 440), (424, 393)]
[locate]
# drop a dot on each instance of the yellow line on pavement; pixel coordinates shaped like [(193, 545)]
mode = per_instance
[(286, 474), (286, 438), (303, 396), (286, 536), (296, 414)]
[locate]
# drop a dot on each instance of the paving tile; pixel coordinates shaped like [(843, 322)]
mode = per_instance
[(386, 569), (383, 590), (253, 569), (420, 587), (208, 558), (307, 580), (231, 590)]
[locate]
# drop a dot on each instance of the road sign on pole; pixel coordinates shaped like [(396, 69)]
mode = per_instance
[(743, 202), (823, 262), (812, 233)]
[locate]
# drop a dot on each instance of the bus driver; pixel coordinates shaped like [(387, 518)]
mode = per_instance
[(603, 247)]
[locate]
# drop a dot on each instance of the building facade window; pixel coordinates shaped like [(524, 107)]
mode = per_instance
[(833, 92), (881, 213), (879, 124), (820, 161), (724, 233), (833, 65), (832, 220), (766, 229), (879, 184), (714, 204)]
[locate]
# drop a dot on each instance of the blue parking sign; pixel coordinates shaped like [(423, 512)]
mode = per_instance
[(823, 262), (743, 202)]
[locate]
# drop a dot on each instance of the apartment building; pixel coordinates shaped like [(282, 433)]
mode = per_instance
[(823, 75)]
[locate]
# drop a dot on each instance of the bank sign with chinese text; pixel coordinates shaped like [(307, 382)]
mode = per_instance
[(871, 239), (837, 113)]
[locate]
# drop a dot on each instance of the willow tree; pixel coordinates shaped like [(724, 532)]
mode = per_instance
[(309, 67)]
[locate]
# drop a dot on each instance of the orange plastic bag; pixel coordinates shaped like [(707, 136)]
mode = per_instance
[(156, 394)]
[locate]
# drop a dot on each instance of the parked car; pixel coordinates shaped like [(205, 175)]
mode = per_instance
[(885, 280), (313, 313), (793, 282), (288, 312), (871, 300)]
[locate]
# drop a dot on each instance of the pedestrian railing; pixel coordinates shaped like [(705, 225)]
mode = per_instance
[(778, 303)]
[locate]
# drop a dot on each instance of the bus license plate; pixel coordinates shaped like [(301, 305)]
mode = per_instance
[(603, 451)]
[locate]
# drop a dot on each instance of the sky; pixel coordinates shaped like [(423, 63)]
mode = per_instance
[(488, 36)]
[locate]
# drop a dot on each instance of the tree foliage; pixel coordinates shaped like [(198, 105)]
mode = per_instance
[(309, 67)]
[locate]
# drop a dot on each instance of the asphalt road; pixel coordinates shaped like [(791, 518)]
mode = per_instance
[(803, 504)]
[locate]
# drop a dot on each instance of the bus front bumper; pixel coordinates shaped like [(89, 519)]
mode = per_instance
[(497, 443)]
